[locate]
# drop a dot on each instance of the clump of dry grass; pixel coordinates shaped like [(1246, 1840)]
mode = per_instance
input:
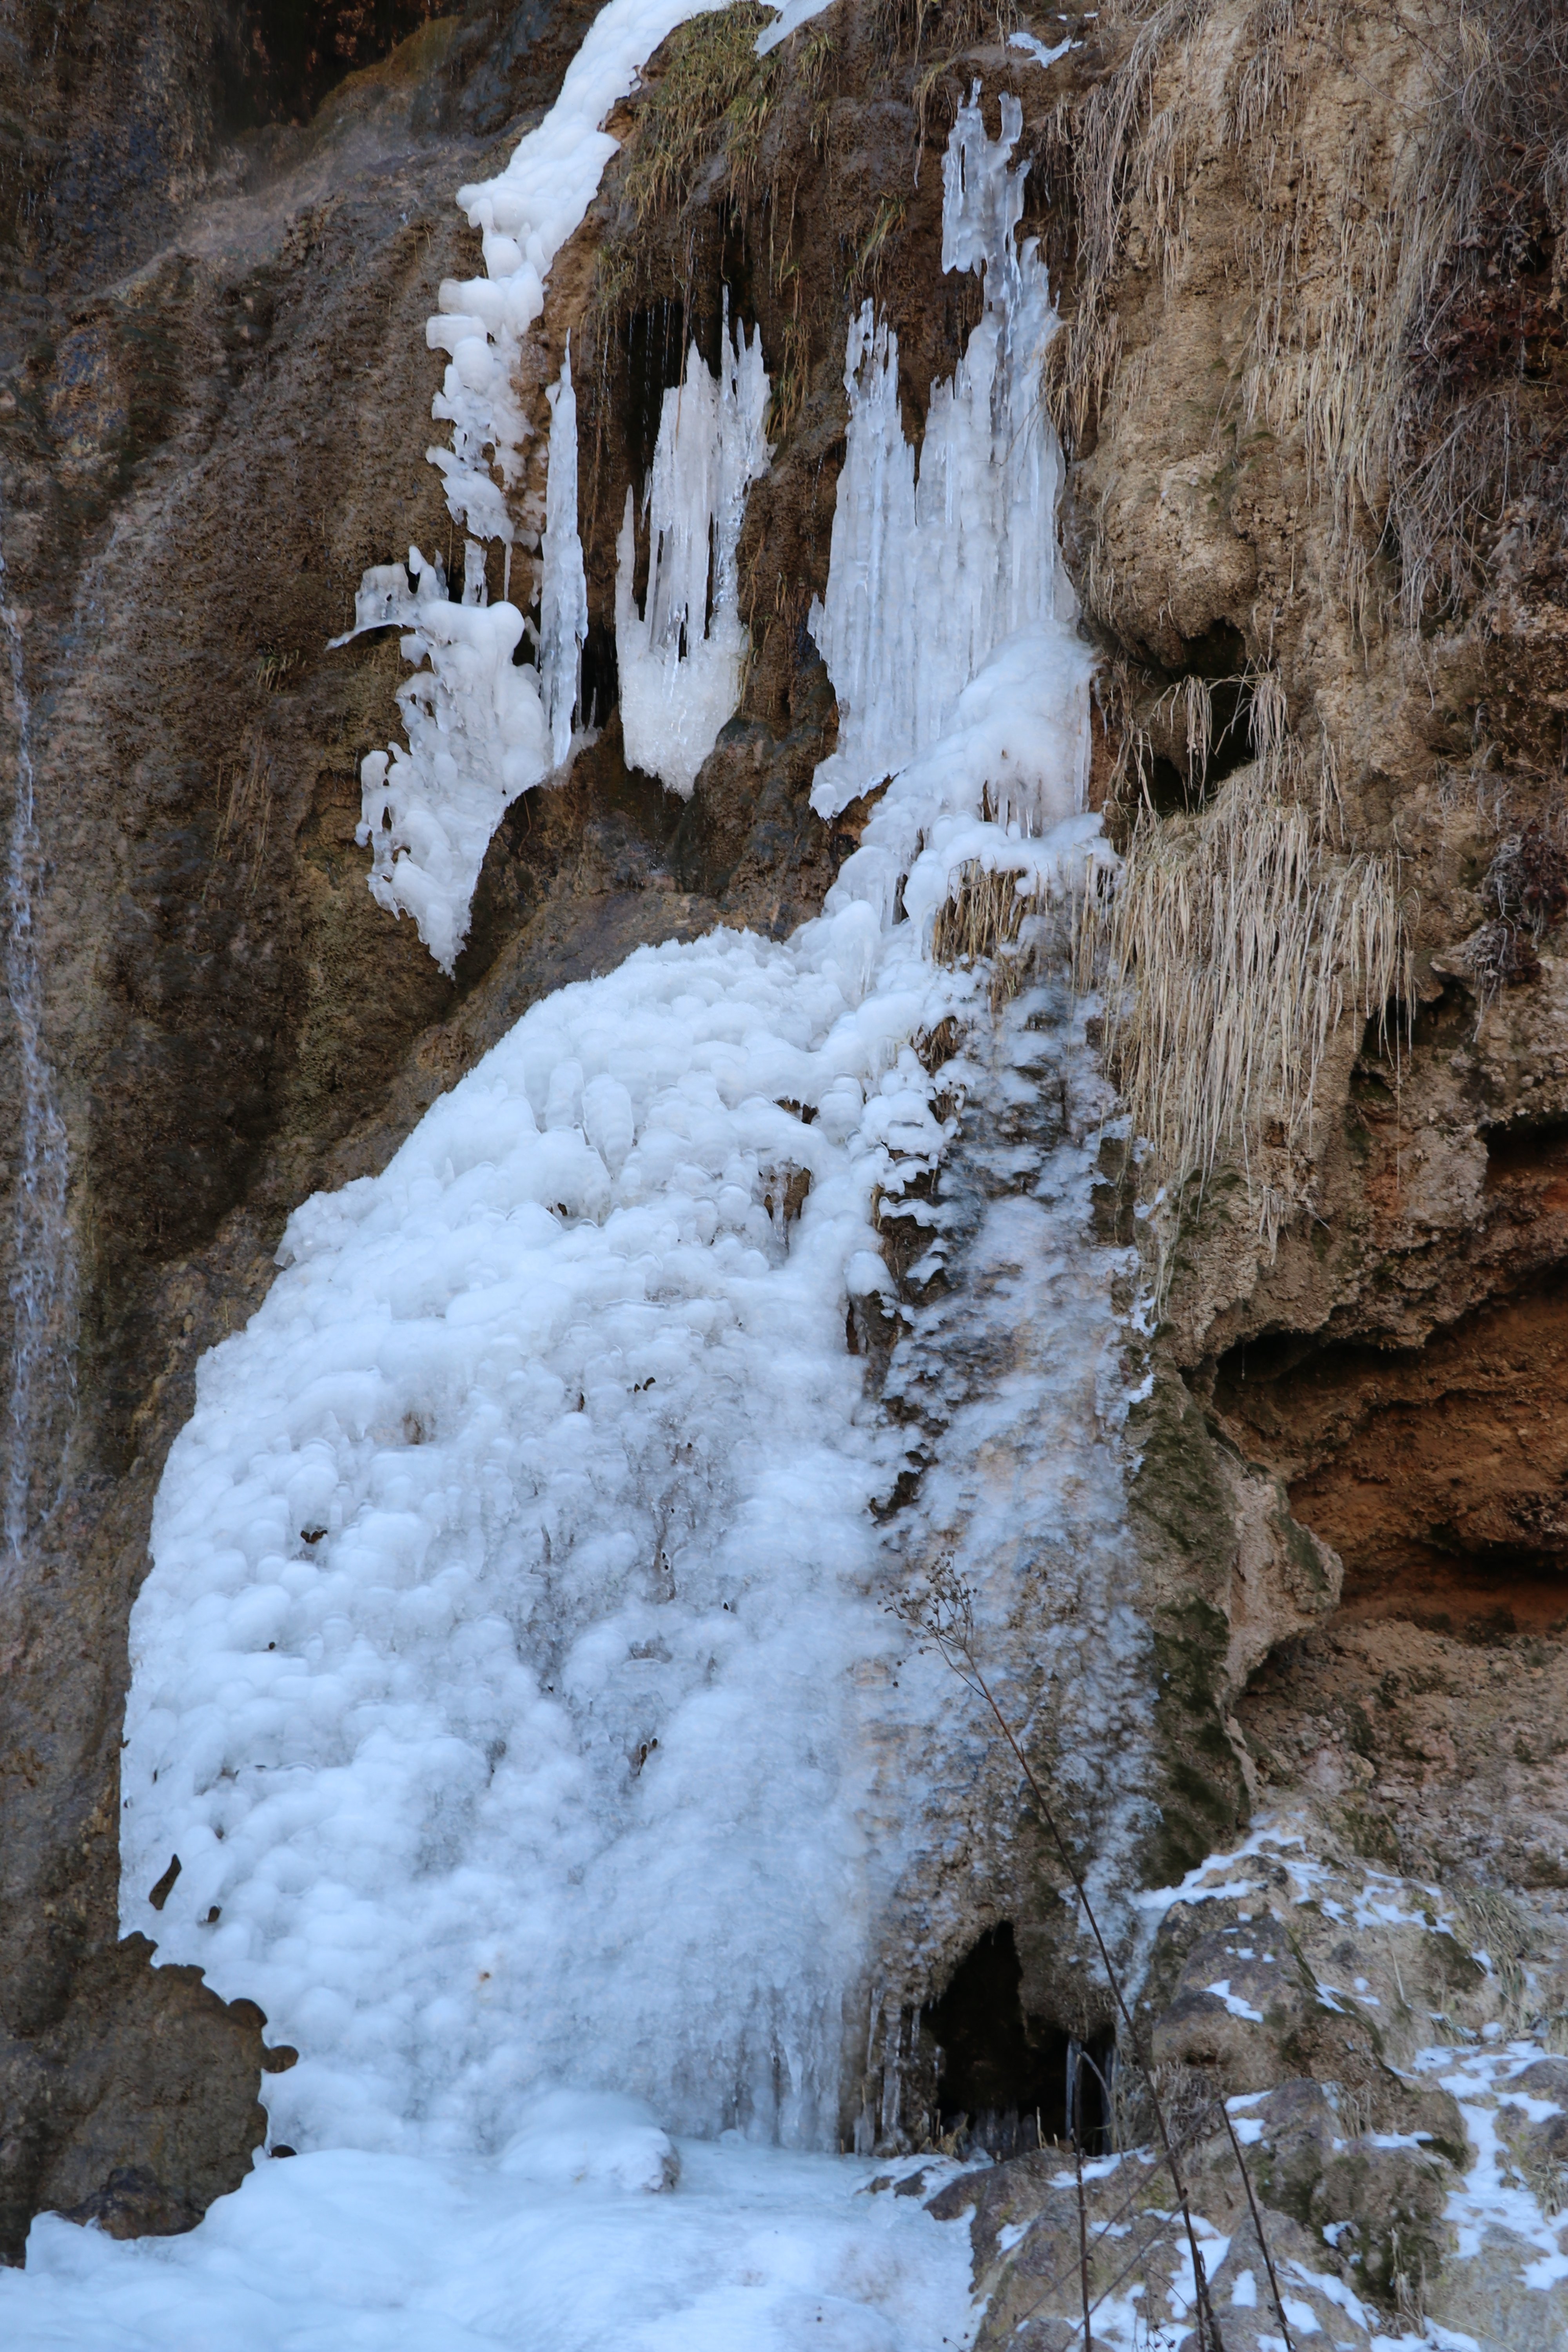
[(1394, 320), (1023, 933), (715, 93), (1237, 945)]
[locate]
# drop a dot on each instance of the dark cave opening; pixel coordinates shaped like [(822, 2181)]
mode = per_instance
[(1003, 2078), (600, 687), (656, 357), (1219, 658)]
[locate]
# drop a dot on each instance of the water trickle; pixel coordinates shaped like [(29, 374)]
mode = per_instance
[(42, 1288)]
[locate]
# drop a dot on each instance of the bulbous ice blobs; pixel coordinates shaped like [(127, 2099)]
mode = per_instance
[(476, 737), (564, 1103), (609, 1121), (680, 659), (595, 2139)]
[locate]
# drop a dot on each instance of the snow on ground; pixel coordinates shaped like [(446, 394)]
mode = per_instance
[(546, 2251)]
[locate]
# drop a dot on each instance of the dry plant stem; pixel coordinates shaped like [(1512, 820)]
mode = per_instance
[(1208, 2326), (1236, 948), (1082, 2220), (1127, 2212), (1258, 2225)]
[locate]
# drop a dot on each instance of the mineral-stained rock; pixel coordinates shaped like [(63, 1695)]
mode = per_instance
[(136, 2106)]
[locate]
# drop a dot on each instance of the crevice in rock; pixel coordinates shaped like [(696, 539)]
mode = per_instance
[(1001, 2078)]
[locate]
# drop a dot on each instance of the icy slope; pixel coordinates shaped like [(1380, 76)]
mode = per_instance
[(545, 2251)]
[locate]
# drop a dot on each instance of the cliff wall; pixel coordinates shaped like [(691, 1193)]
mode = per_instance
[(1312, 392)]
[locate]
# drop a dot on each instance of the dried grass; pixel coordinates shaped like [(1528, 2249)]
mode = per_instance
[(242, 831), (1371, 271), (714, 93), (1026, 935), (1237, 945)]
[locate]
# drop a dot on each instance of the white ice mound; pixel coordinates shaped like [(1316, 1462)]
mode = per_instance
[(680, 656), (931, 570), (496, 1678), (592, 2139)]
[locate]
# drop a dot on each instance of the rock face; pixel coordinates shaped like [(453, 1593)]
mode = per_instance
[(222, 241)]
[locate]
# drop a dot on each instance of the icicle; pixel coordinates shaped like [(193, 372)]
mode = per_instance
[(564, 587), (680, 659), (526, 214), (971, 543)]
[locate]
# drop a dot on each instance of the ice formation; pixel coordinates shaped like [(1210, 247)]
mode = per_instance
[(792, 16), (563, 586), (526, 214), (481, 728), (679, 658), (1033, 46), (931, 569), (498, 1681), (511, 1679), (476, 737)]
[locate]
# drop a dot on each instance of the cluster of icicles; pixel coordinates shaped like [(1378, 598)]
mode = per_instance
[(931, 568)]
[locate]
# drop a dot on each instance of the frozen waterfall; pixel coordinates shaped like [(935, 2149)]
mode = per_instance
[(932, 569), (482, 726), (511, 1679)]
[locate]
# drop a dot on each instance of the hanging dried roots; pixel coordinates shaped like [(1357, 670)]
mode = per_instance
[(993, 915), (1238, 944)]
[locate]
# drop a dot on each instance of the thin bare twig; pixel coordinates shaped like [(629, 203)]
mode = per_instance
[(1082, 2213), (1258, 2225)]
